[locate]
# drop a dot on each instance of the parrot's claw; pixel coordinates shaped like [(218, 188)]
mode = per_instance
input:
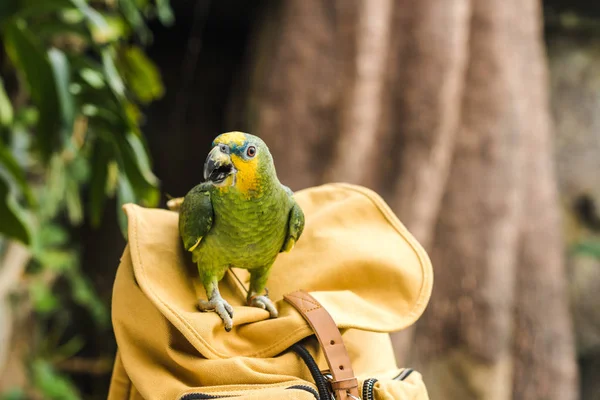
[(265, 303), (221, 307)]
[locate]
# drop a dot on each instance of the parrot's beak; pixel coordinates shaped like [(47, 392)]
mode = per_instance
[(218, 165)]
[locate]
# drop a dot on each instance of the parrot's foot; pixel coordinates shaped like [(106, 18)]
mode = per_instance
[(263, 302), (221, 307)]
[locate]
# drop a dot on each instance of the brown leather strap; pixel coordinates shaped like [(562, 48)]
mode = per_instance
[(329, 337)]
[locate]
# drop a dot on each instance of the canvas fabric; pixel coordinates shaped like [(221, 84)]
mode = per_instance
[(354, 257)]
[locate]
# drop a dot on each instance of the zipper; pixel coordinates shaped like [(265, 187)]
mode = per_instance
[(206, 396), (367, 392), (201, 396), (306, 389), (369, 384)]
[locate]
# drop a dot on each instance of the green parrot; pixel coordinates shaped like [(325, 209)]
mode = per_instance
[(241, 216)]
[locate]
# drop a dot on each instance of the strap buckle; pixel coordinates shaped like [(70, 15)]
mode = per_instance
[(343, 383), (331, 383)]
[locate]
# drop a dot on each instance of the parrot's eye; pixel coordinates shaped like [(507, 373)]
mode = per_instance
[(251, 151)]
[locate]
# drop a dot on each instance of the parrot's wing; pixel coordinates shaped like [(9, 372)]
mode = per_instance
[(295, 224), (195, 216)]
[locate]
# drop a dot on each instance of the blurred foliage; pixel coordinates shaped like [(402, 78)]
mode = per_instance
[(569, 21), (74, 78), (589, 248)]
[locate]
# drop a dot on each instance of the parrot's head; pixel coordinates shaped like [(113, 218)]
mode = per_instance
[(239, 160)]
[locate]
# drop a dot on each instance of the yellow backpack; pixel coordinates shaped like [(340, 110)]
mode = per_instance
[(355, 267)]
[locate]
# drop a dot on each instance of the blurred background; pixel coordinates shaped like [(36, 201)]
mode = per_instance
[(477, 121)]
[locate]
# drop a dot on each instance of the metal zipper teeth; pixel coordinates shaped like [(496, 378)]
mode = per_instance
[(206, 396), (306, 389), (367, 392), (201, 396), (369, 384)]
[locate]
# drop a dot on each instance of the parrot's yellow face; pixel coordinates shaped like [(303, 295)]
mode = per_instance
[(238, 160)]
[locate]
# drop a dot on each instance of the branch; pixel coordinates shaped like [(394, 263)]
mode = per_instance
[(16, 258)]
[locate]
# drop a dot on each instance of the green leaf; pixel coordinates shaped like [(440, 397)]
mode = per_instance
[(57, 260), (28, 56), (15, 221), (27, 116), (71, 16), (79, 168), (42, 298), (7, 9), (15, 393), (112, 179), (165, 14), (141, 156), (8, 162), (52, 194), (142, 75), (134, 162), (69, 349), (134, 17), (84, 294), (133, 115), (52, 235), (113, 28), (101, 30), (6, 109), (92, 78), (590, 248), (61, 71), (73, 203), (114, 78), (76, 36), (100, 161), (52, 385), (30, 8), (125, 195)]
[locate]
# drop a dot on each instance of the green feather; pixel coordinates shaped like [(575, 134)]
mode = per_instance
[(195, 216), (225, 227)]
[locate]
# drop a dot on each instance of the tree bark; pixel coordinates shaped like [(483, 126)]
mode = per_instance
[(467, 328), (425, 81), (544, 349), (360, 113), (364, 92), (441, 108), (296, 75)]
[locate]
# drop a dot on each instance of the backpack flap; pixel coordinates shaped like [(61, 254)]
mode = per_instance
[(354, 257)]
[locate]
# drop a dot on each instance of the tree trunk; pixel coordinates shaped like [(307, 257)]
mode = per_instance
[(544, 352), (501, 178), (426, 80), (425, 88), (367, 92), (468, 326), (296, 75), (441, 108)]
